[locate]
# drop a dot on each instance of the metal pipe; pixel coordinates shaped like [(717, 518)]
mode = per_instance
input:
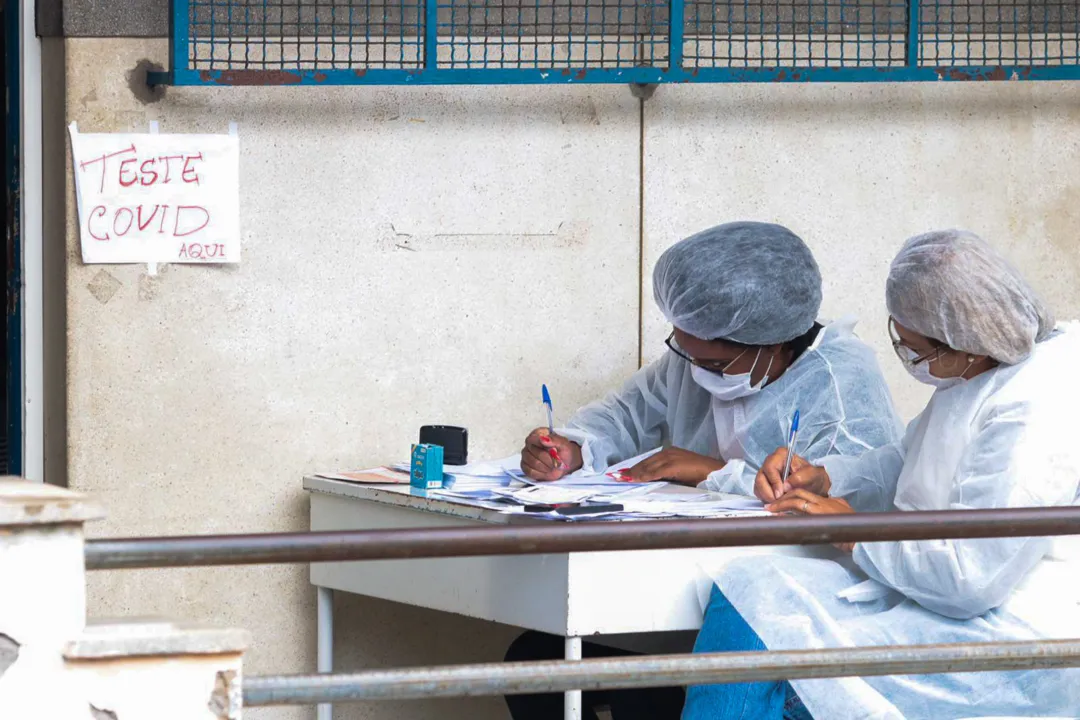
[(196, 550), (656, 671)]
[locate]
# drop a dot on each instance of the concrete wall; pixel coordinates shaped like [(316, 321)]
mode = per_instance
[(408, 257), (855, 170), (416, 255)]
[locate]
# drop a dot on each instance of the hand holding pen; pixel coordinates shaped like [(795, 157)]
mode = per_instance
[(784, 473), (538, 462), (546, 455)]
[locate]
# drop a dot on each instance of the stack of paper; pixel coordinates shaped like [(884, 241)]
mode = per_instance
[(372, 476), (475, 476)]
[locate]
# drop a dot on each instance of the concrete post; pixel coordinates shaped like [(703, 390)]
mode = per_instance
[(54, 665), (42, 596), (144, 669)]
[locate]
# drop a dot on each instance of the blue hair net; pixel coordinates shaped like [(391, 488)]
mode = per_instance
[(748, 282)]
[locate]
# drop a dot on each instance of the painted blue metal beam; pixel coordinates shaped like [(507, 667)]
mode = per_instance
[(180, 35), (914, 32), (640, 75)]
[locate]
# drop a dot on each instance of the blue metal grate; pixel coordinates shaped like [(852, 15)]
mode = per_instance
[(629, 41)]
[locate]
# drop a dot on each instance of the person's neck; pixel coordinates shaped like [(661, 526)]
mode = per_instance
[(986, 364)]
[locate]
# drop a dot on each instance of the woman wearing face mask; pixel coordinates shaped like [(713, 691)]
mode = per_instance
[(745, 353), (997, 433)]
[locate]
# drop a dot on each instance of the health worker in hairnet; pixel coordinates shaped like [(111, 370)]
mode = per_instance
[(745, 352), (998, 432)]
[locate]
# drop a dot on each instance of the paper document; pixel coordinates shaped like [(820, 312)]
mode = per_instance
[(484, 468), (374, 476), (586, 477), (546, 495)]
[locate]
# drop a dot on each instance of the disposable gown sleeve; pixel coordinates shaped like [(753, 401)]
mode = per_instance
[(627, 422), (850, 393), (1009, 463), (868, 481), (864, 475)]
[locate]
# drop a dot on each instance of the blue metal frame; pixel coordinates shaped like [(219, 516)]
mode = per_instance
[(12, 295), (179, 35), (636, 76), (677, 69)]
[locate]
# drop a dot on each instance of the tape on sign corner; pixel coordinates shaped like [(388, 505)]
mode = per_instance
[(151, 269), (234, 129), (153, 127)]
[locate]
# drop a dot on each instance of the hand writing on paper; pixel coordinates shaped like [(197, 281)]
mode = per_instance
[(803, 502), (547, 456), (769, 484), (675, 465)]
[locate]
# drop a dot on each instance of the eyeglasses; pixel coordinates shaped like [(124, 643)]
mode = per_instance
[(904, 352), (714, 366)]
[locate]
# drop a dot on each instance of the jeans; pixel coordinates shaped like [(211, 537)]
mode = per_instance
[(725, 630)]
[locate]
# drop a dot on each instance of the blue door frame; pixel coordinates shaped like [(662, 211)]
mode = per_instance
[(13, 379)]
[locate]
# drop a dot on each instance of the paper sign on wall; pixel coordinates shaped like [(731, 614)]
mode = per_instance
[(157, 198)]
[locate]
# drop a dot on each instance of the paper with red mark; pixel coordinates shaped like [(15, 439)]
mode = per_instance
[(157, 198)]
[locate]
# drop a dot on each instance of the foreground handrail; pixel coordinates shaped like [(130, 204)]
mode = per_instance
[(305, 547), (656, 671)]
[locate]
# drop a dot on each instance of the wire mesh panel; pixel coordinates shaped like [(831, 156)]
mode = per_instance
[(631, 41), (301, 34), (796, 33), (553, 34), (1000, 32)]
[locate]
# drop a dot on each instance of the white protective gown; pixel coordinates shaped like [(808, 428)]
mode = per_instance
[(836, 384), (1003, 439)]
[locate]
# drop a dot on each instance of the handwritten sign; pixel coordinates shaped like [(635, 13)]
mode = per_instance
[(157, 198)]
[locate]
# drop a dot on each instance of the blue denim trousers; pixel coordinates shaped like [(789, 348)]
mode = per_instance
[(725, 630)]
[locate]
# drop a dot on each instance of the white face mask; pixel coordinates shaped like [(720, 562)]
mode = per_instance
[(921, 372), (730, 387)]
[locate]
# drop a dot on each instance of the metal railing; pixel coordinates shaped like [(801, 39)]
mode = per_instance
[(119, 553), (646, 671), (656, 671), (401, 42)]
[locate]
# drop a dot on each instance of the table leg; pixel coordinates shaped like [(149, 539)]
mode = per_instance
[(572, 698), (325, 604)]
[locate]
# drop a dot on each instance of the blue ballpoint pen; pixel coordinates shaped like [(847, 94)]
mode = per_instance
[(791, 444), (545, 396)]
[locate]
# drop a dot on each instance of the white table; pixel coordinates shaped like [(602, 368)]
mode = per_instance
[(568, 594)]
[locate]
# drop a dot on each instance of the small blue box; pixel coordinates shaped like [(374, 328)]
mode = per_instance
[(427, 467)]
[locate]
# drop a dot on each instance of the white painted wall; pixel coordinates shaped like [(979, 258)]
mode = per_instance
[(422, 255), (857, 169), (409, 256)]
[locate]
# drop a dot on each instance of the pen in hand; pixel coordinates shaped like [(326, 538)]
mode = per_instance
[(791, 445), (545, 396)]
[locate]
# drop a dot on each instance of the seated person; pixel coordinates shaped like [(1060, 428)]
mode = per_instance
[(997, 433), (745, 352)]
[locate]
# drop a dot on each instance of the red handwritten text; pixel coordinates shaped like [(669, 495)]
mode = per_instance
[(127, 167), (181, 221), (202, 251)]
